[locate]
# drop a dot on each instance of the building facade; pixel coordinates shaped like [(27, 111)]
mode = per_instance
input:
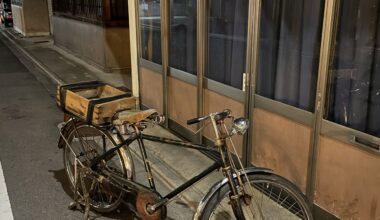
[(304, 72)]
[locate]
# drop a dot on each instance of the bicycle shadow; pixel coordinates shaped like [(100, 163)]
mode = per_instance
[(122, 212)]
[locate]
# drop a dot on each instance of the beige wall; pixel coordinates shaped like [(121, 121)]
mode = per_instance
[(36, 17), (282, 145), (151, 93), (348, 181), (182, 102), (32, 19), (106, 48)]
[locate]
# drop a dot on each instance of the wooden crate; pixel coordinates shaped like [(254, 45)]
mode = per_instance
[(93, 102)]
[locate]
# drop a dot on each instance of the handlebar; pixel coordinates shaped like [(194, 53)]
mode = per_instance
[(197, 120), (218, 116)]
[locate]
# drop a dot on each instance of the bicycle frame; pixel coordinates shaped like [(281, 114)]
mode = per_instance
[(222, 162), (232, 187), (140, 138)]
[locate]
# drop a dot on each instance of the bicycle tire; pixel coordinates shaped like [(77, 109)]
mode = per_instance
[(291, 198), (118, 162)]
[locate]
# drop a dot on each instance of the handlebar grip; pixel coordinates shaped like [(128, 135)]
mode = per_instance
[(193, 121)]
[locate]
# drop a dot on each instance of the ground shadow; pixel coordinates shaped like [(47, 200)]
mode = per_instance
[(122, 212)]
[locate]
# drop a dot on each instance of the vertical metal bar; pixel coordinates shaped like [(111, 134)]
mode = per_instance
[(246, 80), (325, 55), (255, 10), (202, 36), (165, 25), (246, 84), (134, 33)]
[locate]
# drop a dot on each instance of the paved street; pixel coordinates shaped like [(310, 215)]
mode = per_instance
[(31, 162)]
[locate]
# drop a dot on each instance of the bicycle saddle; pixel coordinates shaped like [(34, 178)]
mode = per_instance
[(133, 116)]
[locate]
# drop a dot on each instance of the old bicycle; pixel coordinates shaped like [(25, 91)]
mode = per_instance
[(100, 169)]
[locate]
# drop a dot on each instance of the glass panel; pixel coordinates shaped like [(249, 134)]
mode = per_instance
[(150, 24), (227, 41), (355, 67), (290, 39), (183, 35)]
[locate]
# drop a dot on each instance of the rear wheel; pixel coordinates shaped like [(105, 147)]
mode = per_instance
[(88, 142), (272, 197)]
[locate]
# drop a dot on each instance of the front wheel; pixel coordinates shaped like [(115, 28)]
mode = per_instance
[(269, 197)]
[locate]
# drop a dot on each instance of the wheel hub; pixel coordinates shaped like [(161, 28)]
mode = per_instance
[(143, 200)]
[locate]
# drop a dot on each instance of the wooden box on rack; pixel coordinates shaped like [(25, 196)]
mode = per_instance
[(94, 102)]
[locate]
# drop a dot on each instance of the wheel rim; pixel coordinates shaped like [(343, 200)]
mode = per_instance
[(90, 143), (270, 200)]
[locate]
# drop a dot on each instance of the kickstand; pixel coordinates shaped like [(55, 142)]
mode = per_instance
[(75, 205), (78, 201), (86, 198)]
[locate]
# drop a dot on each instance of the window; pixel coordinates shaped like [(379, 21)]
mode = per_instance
[(290, 38), (183, 35), (227, 41), (119, 9), (86, 10), (150, 24), (112, 13), (354, 99)]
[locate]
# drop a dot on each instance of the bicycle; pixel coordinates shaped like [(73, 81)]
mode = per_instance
[(100, 168)]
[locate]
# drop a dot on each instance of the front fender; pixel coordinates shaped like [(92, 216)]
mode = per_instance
[(220, 184)]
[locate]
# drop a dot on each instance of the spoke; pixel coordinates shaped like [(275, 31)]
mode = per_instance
[(284, 200), (100, 193), (279, 197)]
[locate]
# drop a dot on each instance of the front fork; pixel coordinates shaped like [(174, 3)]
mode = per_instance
[(236, 191)]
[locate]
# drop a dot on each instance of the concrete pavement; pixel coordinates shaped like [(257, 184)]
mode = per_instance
[(31, 163)]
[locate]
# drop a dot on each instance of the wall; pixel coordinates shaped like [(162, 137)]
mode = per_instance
[(106, 48), (282, 145), (117, 48), (18, 19), (92, 50), (36, 18), (32, 18), (182, 102), (348, 180), (151, 89)]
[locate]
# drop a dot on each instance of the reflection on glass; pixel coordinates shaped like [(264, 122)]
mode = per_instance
[(290, 38), (150, 24), (227, 40), (355, 68), (183, 35)]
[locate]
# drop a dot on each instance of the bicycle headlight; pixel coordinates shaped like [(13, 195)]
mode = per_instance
[(240, 126)]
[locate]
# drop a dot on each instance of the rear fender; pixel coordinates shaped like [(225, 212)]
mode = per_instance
[(217, 186), (64, 129)]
